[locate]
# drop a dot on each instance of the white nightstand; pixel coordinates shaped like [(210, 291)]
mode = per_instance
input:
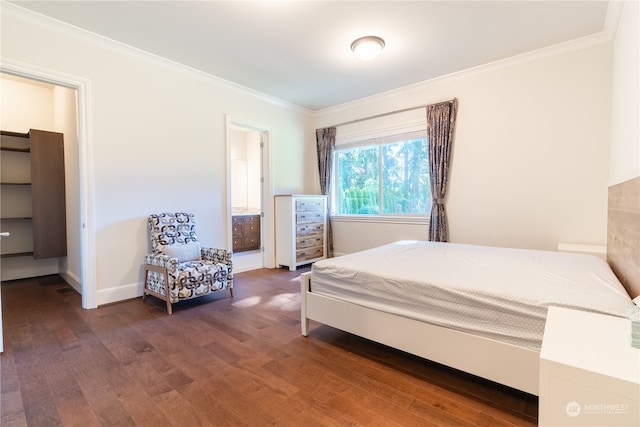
[(589, 373)]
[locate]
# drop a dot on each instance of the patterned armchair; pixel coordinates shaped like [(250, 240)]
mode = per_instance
[(179, 268)]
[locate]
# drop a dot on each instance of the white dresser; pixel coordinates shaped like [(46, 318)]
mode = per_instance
[(589, 373), (301, 229)]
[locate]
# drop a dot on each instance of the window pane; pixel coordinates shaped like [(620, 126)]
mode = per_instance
[(357, 180), (405, 177), (383, 177)]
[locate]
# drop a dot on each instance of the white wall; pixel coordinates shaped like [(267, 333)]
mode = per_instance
[(65, 121), (245, 171), (530, 159), (157, 135), (239, 179), (25, 105), (254, 167), (625, 106)]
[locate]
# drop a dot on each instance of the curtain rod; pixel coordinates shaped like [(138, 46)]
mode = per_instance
[(387, 114)]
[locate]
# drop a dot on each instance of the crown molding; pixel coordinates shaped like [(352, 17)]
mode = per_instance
[(558, 49), (614, 12), (36, 19)]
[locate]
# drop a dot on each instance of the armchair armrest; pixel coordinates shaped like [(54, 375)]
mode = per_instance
[(222, 256), (164, 261)]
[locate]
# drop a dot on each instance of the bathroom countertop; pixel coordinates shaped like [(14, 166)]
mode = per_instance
[(244, 213)]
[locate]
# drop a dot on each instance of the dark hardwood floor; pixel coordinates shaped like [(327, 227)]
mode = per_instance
[(221, 361)]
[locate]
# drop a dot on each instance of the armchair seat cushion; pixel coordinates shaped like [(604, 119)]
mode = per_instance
[(197, 278), (189, 279)]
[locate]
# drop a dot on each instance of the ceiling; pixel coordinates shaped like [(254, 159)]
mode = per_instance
[(299, 51)]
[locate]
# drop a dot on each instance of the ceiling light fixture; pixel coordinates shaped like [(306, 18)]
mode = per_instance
[(368, 47)]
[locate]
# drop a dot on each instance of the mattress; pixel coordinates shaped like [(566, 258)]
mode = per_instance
[(497, 293)]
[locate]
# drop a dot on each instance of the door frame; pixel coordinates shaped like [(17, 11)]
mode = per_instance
[(267, 220), (82, 87)]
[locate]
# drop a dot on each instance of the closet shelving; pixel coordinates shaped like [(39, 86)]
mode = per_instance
[(33, 194)]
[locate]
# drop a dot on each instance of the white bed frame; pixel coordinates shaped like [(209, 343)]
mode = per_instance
[(507, 364)]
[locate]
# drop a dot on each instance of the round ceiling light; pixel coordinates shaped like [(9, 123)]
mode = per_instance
[(368, 47)]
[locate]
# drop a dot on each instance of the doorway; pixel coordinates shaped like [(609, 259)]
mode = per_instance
[(81, 218), (249, 193), (33, 105)]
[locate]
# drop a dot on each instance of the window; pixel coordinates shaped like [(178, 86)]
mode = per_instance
[(383, 176)]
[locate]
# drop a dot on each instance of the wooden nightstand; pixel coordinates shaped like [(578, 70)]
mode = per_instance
[(589, 373)]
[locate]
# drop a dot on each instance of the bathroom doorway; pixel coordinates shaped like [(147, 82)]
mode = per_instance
[(250, 233)]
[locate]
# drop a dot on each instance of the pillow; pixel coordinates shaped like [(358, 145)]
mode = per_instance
[(184, 252)]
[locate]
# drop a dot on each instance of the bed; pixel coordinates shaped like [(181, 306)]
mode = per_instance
[(474, 308)]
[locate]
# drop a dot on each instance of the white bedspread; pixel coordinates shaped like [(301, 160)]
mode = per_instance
[(498, 293)]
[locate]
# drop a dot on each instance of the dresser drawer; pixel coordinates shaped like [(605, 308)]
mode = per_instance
[(236, 229), (251, 228), (237, 243), (309, 253), (309, 229), (251, 242), (309, 216), (309, 241), (241, 244), (252, 219), (303, 205)]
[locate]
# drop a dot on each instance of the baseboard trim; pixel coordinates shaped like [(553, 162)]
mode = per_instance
[(243, 268), (120, 293), (74, 281)]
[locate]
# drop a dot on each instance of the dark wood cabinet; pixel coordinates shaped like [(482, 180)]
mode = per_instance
[(36, 172), (246, 232)]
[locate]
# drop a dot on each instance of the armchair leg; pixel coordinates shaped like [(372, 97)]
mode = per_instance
[(167, 293), (167, 296), (144, 284), (169, 309)]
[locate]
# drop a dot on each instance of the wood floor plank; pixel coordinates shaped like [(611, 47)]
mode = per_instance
[(221, 361), (10, 394), (179, 410), (37, 396), (73, 408), (211, 401), (14, 420)]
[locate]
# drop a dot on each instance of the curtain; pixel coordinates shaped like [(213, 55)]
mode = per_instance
[(326, 142), (441, 120)]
